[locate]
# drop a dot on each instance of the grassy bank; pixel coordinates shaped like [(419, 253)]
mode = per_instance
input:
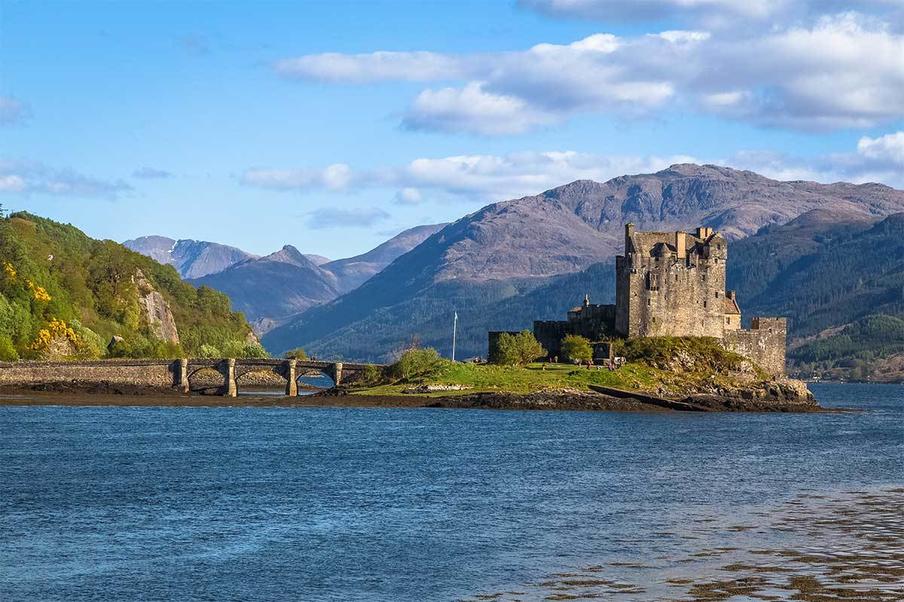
[(537, 377), (664, 365)]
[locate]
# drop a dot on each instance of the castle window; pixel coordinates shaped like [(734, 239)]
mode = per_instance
[(728, 320), (717, 294), (649, 302), (704, 304)]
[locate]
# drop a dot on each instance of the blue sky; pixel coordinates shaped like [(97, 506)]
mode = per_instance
[(333, 125)]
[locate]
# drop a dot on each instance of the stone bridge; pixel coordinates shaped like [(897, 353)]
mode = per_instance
[(170, 374)]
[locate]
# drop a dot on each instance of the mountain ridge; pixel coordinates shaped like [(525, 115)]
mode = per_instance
[(503, 251)]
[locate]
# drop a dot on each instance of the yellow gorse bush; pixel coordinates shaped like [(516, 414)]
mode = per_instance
[(39, 292), (9, 271), (55, 329)]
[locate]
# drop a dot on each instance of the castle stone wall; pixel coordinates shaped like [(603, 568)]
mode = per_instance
[(764, 343)]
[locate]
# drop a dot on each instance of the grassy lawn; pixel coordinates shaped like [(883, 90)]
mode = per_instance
[(533, 377)]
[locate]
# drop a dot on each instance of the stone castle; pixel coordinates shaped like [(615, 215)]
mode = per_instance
[(671, 284)]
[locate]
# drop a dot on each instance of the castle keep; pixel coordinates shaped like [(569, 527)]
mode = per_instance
[(672, 284)]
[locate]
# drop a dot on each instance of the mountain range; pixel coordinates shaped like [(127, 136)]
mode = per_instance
[(191, 258), (533, 257), (825, 255), (272, 289)]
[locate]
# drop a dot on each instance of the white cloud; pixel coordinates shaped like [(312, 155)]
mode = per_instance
[(477, 178), (371, 67), (35, 178), (879, 159), (345, 218), (409, 196), (840, 71), (12, 183), (487, 178), (471, 109), (13, 111), (845, 71), (332, 177), (888, 148)]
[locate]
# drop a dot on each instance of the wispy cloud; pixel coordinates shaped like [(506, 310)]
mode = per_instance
[(13, 111), (839, 71), (487, 178), (332, 177), (151, 173), (345, 218), (22, 177), (715, 13), (468, 177), (879, 159)]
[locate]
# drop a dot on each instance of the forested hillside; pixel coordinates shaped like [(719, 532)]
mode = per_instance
[(63, 294), (840, 280)]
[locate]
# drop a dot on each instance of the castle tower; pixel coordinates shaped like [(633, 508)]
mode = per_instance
[(673, 284)]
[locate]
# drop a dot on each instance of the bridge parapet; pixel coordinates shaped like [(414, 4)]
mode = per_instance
[(167, 374)]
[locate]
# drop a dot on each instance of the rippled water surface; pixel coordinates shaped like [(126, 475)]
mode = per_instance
[(418, 504)]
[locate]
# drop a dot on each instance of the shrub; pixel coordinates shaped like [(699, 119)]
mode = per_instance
[(416, 362), (517, 349), (296, 354), (694, 354), (209, 352), (577, 348), (254, 350), (372, 375), (7, 350)]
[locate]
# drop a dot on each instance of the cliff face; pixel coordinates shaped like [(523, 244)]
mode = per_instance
[(155, 310)]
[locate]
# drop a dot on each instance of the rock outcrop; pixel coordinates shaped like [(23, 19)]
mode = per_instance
[(155, 310)]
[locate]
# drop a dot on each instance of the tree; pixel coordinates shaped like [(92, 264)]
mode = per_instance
[(577, 348), (416, 362), (517, 349), (296, 354)]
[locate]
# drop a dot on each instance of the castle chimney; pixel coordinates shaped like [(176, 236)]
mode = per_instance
[(629, 233), (681, 244)]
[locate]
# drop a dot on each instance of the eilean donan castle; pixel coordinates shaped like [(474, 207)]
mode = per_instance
[(672, 284)]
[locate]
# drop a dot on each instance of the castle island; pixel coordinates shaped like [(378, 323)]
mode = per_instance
[(669, 284)]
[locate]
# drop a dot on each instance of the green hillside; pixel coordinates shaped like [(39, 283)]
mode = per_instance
[(63, 294), (840, 280)]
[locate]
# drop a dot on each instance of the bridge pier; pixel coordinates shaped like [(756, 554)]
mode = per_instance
[(337, 373), (291, 374), (232, 389), (183, 376)]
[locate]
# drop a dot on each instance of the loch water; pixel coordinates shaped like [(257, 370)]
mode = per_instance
[(238, 503)]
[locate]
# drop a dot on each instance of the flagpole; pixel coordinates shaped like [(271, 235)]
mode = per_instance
[(454, 329)]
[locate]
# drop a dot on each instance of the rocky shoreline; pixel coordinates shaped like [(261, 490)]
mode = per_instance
[(782, 395)]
